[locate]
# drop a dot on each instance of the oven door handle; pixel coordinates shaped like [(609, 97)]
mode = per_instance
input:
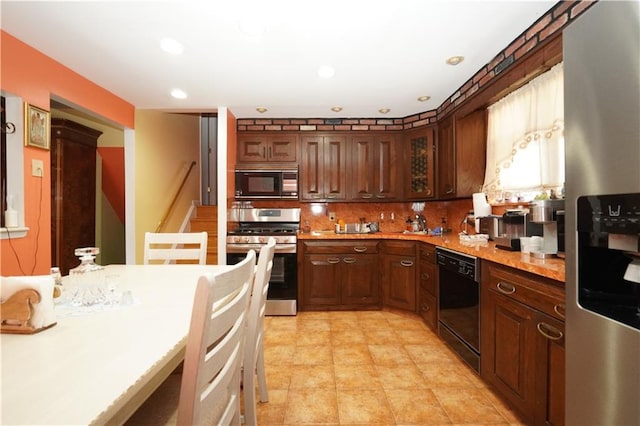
[(244, 248)]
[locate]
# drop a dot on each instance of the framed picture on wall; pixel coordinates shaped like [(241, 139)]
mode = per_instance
[(37, 127)]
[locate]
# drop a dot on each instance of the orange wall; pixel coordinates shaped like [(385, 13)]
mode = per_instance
[(29, 74)]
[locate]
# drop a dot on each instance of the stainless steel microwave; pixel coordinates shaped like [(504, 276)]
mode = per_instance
[(280, 184)]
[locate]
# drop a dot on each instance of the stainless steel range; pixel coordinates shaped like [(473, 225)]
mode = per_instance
[(256, 225)]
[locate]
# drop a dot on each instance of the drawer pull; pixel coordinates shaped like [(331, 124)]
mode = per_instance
[(333, 260), (505, 288), (559, 309), (380, 196), (360, 249), (349, 260), (332, 196), (424, 307), (549, 332), (367, 196), (406, 263)]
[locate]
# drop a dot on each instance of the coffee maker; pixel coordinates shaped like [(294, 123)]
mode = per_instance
[(516, 223), (545, 213)]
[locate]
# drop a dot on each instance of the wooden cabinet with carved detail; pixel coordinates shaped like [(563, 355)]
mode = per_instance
[(427, 288), (267, 147), (461, 155), (522, 341), (398, 263), (323, 168), (73, 191), (375, 168), (419, 172), (339, 275)]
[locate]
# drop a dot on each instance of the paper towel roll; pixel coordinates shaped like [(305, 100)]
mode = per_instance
[(481, 208)]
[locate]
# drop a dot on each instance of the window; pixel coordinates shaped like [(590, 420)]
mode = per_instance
[(525, 141)]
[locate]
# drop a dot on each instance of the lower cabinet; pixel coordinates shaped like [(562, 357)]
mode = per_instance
[(427, 279), (398, 263), (522, 342), (340, 275)]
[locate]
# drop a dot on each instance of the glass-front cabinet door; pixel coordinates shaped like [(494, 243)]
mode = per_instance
[(420, 174)]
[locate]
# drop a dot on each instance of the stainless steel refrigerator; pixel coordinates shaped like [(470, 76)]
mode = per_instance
[(602, 139)]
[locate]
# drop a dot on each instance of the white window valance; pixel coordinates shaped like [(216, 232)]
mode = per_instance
[(525, 138)]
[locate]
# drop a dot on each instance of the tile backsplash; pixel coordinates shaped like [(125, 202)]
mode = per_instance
[(394, 215)]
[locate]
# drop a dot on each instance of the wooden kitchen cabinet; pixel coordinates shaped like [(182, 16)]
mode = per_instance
[(398, 263), (471, 152), (522, 341), (73, 191), (419, 172), (339, 275), (323, 168), (461, 155), (374, 169), (427, 279), (267, 148)]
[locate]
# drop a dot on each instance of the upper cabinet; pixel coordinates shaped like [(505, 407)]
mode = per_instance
[(323, 168), (419, 172), (267, 148), (375, 167), (461, 155), (471, 152)]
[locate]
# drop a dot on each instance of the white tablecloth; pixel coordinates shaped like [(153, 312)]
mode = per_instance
[(97, 368)]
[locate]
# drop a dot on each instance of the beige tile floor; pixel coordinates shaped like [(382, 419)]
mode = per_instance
[(369, 368)]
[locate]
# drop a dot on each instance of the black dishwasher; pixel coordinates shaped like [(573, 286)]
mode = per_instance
[(459, 304)]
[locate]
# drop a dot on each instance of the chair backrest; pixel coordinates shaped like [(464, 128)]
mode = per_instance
[(210, 389), (175, 246), (255, 321)]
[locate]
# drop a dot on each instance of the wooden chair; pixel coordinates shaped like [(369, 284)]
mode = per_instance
[(209, 389), (172, 247), (253, 363)]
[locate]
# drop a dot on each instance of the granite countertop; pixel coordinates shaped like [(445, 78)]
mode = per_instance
[(550, 268)]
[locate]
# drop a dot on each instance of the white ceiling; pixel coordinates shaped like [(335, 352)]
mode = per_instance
[(385, 53)]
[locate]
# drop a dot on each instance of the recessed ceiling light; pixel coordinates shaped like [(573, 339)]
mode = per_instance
[(179, 94), (261, 110), (336, 109), (424, 98), (455, 60), (171, 46), (326, 71), (384, 110)]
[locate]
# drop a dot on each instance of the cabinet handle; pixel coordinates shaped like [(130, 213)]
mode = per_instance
[(449, 190), (380, 196), (264, 152), (332, 196), (505, 288), (367, 196), (406, 263), (333, 260), (549, 331), (270, 154), (428, 192), (349, 260), (424, 307), (360, 249), (425, 276), (559, 309)]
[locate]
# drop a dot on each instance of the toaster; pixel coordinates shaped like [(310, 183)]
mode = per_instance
[(491, 225)]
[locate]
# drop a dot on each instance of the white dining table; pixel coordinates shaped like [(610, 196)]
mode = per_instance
[(99, 367)]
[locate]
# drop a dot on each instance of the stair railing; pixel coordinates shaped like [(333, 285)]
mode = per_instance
[(175, 199)]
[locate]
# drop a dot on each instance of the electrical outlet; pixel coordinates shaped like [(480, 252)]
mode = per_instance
[(37, 168), (332, 216)]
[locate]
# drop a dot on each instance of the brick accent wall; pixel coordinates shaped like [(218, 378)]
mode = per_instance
[(556, 19)]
